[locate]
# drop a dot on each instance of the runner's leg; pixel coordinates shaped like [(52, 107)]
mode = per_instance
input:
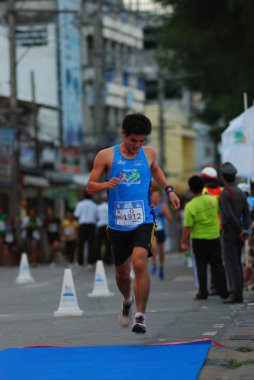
[(142, 279)]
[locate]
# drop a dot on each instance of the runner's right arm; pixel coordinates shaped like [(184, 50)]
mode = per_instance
[(100, 166)]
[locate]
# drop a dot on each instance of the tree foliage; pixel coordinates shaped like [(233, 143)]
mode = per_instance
[(212, 44)]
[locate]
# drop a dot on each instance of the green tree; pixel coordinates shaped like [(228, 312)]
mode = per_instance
[(212, 45)]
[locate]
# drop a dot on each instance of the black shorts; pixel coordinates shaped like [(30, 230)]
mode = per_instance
[(160, 236), (123, 242)]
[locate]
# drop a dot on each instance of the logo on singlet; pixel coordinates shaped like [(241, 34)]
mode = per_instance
[(138, 163), (121, 162), (130, 177)]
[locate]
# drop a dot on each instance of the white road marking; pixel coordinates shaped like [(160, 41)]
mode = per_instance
[(38, 285), (218, 325), (210, 333), (183, 278), (5, 315)]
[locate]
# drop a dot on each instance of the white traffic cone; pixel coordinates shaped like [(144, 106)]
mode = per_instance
[(68, 302), (100, 288), (24, 275)]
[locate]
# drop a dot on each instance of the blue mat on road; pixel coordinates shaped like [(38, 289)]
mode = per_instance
[(171, 362)]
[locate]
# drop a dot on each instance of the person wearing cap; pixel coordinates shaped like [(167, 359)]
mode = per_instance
[(210, 178), (211, 187), (235, 220)]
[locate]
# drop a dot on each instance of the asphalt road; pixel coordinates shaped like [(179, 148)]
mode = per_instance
[(27, 311)]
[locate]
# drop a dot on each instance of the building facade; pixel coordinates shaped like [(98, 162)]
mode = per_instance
[(82, 66), (74, 64)]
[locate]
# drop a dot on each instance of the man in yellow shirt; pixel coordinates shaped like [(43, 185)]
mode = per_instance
[(201, 224)]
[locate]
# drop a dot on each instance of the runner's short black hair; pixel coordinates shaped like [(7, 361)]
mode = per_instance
[(196, 184), (137, 124)]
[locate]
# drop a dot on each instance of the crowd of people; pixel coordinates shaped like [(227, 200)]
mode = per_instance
[(79, 238), (127, 224), (218, 229)]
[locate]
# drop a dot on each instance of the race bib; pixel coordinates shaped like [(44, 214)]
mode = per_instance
[(159, 225), (9, 238), (129, 213), (69, 231), (36, 235)]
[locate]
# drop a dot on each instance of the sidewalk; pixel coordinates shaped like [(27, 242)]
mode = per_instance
[(234, 359), (231, 356)]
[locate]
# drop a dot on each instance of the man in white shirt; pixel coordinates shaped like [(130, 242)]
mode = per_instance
[(86, 213), (102, 245)]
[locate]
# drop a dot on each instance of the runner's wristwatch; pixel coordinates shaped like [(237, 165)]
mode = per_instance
[(169, 189)]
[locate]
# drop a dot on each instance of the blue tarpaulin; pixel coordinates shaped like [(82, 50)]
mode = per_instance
[(174, 361)]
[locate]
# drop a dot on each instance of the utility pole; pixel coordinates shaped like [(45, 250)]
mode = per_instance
[(35, 124), (59, 87), (15, 190), (99, 80), (161, 129), (14, 200), (36, 137), (12, 45)]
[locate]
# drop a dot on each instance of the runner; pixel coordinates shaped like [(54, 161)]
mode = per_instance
[(162, 212), (129, 168)]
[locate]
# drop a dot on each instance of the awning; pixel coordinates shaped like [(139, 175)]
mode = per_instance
[(35, 181), (80, 179), (59, 178)]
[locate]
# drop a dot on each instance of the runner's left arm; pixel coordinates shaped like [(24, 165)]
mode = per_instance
[(161, 179)]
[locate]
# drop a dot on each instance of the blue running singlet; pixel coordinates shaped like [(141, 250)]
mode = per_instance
[(129, 203), (159, 218)]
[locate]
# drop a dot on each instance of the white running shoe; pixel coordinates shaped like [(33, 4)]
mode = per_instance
[(139, 325), (125, 314)]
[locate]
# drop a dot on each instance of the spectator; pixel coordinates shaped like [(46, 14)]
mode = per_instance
[(249, 243), (52, 228), (211, 187), (86, 213), (3, 220), (210, 178), (10, 242), (102, 245), (235, 220), (31, 233), (69, 235), (202, 225)]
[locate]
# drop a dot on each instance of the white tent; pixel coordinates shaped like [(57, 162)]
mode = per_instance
[(238, 144)]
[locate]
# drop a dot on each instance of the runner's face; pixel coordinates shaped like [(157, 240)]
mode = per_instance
[(134, 142)]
